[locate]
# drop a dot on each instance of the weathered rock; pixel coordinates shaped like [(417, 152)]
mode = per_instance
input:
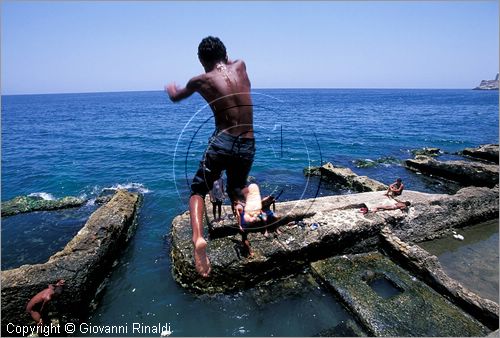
[(411, 309), (103, 199), (345, 177), (488, 84), (427, 267), (23, 204), (83, 263), (349, 328), (433, 215), (467, 173), (339, 231), (488, 152), (426, 151), (367, 163)]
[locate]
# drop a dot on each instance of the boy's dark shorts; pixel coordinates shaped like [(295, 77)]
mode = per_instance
[(225, 152)]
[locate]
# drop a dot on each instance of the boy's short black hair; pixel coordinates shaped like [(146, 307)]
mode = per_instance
[(211, 49), (407, 203)]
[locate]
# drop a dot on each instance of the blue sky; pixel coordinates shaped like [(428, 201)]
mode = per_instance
[(58, 46)]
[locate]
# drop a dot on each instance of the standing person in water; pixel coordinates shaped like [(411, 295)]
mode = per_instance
[(226, 88)]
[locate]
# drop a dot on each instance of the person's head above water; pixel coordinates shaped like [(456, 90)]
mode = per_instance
[(211, 50)]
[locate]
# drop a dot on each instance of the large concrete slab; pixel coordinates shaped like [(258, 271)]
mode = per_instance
[(84, 264), (414, 309), (338, 231), (428, 268)]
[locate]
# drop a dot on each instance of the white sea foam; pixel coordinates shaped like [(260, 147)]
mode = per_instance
[(139, 187), (43, 195)]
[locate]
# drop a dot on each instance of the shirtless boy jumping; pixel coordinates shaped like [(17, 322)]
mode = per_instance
[(226, 88)]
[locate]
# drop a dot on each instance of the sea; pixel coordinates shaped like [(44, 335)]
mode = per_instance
[(85, 144)]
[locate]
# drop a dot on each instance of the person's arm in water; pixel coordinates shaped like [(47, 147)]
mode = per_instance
[(176, 94)]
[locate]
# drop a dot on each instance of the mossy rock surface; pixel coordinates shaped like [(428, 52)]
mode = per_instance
[(415, 310), (22, 204)]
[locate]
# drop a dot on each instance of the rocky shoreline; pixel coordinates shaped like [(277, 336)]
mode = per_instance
[(23, 204), (340, 231), (345, 177), (84, 264), (488, 84), (316, 231)]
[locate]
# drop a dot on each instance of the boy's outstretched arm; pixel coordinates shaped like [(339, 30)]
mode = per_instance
[(176, 94)]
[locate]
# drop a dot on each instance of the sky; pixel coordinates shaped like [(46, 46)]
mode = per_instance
[(94, 46)]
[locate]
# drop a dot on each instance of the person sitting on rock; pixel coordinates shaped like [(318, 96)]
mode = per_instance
[(36, 304), (395, 189)]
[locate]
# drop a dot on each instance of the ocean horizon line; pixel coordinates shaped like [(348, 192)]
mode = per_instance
[(260, 88)]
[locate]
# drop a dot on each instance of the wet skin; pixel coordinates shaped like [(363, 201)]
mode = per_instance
[(226, 88)]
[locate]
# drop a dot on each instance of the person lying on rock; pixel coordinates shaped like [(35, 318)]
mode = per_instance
[(398, 205), (226, 88), (395, 189), (254, 213), (36, 304)]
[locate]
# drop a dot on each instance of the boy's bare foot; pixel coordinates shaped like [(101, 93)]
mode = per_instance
[(201, 261)]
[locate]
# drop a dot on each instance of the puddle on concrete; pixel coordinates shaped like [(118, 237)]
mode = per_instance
[(474, 261), (384, 287)]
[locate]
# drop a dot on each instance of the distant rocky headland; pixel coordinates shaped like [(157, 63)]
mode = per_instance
[(488, 84)]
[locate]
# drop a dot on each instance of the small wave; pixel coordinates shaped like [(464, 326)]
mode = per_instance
[(139, 187), (43, 195)]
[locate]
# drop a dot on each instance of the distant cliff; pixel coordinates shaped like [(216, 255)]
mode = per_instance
[(488, 84)]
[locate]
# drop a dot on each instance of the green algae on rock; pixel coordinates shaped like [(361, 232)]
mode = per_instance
[(84, 264), (416, 310), (23, 204), (426, 151), (367, 163), (428, 268)]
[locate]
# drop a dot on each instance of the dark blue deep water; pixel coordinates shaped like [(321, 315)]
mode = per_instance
[(80, 144)]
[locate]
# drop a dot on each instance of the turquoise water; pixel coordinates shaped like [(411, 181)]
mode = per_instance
[(80, 144)]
